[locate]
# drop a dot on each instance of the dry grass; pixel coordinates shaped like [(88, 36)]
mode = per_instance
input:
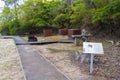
[(56, 37), (106, 66), (9, 61), (48, 38), (60, 55)]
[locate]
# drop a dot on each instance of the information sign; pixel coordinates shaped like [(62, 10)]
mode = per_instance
[(92, 48)]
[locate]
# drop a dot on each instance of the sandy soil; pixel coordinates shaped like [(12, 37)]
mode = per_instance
[(63, 57), (9, 61)]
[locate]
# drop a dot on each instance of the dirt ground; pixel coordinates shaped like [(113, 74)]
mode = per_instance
[(9, 61), (62, 55)]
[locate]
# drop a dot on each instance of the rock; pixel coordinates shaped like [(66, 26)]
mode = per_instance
[(118, 43), (32, 38)]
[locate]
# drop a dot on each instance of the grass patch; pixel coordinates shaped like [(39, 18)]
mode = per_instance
[(47, 38), (56, 37), (58, 50), (76, 47)]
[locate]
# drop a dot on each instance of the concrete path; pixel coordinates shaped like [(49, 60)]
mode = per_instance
[(36, 67), (19, 41)]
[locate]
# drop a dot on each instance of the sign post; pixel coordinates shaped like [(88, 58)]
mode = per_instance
[(91, 63), (92, 48)]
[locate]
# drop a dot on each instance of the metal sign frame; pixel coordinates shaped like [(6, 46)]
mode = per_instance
[(92, 48)]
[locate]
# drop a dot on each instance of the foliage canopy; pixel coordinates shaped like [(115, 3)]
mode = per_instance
[(34, 15)]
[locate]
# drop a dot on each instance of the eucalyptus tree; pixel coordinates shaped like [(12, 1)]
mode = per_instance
[(34, 14), (9, 16), (7, 21), (108, 17), (80, 14), (11, 3), (68, 2)]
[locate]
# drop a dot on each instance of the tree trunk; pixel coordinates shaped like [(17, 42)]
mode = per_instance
[(68, 2)]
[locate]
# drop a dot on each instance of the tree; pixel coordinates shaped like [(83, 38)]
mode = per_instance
[(36, 14), (109, 17), (68, 2), (7, 20), (80, 14), (11, 3)]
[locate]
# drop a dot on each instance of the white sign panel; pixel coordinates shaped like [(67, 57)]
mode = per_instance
[(92, 48)]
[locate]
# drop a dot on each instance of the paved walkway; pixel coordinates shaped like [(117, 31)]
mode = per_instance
[(19, 41), (36, 67)]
